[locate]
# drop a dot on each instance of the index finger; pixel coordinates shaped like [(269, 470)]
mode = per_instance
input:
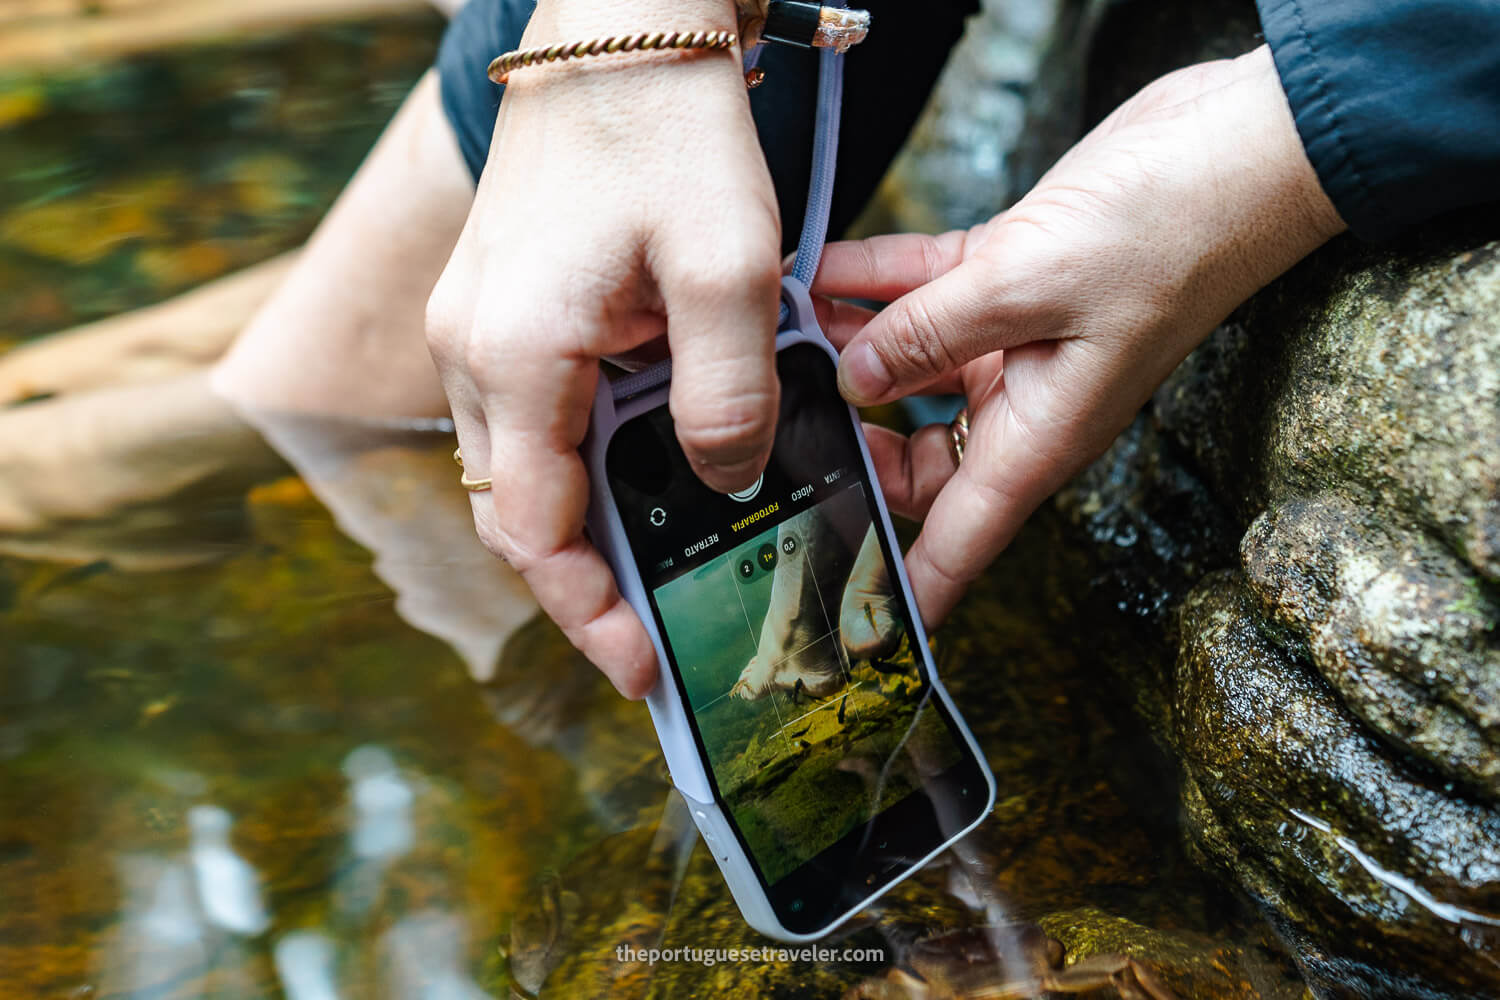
[(884, 268)]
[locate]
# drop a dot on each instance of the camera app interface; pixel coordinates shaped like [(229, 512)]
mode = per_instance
[(790, 643)]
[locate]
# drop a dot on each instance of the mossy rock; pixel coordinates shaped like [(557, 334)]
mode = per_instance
[(1294, 555)]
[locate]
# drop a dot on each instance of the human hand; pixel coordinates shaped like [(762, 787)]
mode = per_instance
[(622, 196), (1058, 318)]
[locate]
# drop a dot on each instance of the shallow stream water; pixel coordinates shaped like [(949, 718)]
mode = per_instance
[(323, 747)]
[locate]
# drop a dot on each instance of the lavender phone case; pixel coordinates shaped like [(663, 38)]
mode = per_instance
[(614, 404)]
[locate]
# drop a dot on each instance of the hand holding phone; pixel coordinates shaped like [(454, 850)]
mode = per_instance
[(797, 706)]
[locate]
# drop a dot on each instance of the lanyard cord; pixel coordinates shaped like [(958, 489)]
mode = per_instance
[(825, 164), (824, 167), (814, 220)]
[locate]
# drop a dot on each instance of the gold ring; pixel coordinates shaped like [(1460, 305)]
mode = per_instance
[(472, 485), (958, 435)]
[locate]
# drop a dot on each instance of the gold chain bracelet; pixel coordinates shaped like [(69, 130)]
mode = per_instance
[(502, 65)]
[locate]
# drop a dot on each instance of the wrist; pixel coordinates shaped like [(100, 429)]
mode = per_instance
[(1291, 182), (1277, 212), (1320, 220), (560, 20)]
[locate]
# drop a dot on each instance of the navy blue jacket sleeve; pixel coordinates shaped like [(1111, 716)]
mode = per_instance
[(1397, 102)]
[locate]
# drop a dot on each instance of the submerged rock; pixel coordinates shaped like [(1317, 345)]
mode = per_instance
[(1191, 964)]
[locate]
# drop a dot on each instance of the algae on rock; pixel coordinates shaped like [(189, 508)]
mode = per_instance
[(1298, 541)]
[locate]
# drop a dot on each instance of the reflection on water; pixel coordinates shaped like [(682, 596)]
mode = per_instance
[(160, 927), (126, 181), (381, 827), (427, 958), (305, 966), (228, 887), (272, 722), (382, 493), (284, 767)]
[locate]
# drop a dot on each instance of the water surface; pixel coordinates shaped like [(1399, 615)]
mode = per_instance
[(323, 747)]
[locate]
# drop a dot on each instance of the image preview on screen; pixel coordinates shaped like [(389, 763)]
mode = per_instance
[(795, 770), (807, 740)]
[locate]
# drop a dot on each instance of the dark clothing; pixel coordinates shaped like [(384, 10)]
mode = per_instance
[(480, 31), (880, 105), (1397, 102)]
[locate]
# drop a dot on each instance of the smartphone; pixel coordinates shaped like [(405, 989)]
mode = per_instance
[(797, 705)]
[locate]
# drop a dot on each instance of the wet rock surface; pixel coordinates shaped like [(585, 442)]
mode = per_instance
[(1008, 105), (1386, 880), (1292, 555)]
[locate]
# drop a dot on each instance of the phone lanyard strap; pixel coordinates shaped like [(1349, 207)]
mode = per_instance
[(824, 167), (814, 220)]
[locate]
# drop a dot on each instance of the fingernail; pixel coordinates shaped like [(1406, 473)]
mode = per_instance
[(735, 475), (863, 377)]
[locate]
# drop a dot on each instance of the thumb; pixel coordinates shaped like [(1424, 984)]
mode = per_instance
[(896, 267), (921, 337)]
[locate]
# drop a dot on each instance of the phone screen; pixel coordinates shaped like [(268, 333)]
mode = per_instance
[(791, 645)]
